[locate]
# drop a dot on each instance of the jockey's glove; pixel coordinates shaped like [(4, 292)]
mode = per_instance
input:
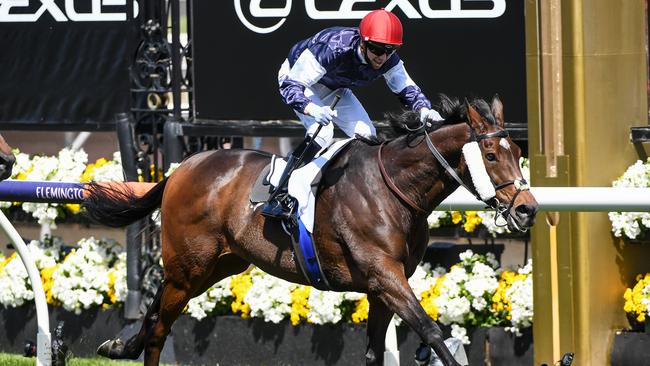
[(322, 115), (430, 115)]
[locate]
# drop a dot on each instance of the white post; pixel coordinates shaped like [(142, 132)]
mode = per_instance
[(79, 141), (43, 337), (391, 352)]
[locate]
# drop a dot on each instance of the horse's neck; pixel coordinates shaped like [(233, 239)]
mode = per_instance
[(419, 174)]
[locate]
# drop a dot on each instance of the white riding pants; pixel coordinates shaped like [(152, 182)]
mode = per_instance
[(352, 117)]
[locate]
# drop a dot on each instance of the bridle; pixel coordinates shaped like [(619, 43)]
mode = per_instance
[(502, 209)]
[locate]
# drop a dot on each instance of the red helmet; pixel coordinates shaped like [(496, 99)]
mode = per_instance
[(381, 26)]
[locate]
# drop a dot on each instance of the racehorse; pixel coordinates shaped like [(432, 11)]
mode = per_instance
[(7, 159), (370, 234)]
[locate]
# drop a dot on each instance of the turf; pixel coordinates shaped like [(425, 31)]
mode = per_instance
[(7, 359)]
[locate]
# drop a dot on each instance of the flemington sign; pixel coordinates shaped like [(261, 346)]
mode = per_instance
[(462, 48), (346, 11)]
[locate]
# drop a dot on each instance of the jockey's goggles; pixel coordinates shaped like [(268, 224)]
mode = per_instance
[(381, 49)]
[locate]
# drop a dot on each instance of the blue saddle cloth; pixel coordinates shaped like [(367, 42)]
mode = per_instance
[(310, 257)]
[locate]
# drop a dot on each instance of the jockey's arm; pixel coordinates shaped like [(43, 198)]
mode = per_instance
[(308, 69), (401, 84)]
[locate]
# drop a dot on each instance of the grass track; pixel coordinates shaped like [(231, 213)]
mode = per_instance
[(7, 359)]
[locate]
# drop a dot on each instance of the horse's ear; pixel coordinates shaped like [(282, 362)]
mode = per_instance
[(497, 110), (474, 119)]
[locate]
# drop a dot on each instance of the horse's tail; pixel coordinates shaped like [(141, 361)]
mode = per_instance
[(118, 206)]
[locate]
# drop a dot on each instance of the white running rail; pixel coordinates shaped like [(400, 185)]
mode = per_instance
[(43, 337)]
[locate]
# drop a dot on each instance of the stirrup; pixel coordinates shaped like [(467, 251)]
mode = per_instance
[(280, 207)]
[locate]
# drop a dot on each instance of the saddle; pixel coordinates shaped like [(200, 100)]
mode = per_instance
[(303, 185)]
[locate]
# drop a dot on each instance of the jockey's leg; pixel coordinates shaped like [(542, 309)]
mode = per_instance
[(352, 118), (277, 205)]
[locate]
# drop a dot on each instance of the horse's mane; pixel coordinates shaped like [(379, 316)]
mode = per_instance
[(408, 122), (451, 109)]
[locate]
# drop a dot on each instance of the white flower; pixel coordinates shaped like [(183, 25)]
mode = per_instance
[(66, 167), (467, 290), (82, 280), (111, 171), (459, 333), (521, 298), (421, 281), (23, 164), (436, 217), (520, 295), (120, 277), (632, 224), (15, 287), (324, 307), (204, 304), (466, 255), (269, 297), (172, 167)]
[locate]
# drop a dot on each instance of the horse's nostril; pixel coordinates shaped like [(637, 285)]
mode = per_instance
[(526, 209)]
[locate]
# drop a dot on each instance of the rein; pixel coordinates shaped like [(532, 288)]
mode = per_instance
[(502, 209)]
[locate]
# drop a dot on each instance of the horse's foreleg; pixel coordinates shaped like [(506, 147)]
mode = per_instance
[(391, 286), (379, 317)]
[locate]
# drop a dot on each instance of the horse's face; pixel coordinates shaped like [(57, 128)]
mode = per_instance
[(7, 159), (501, 158)]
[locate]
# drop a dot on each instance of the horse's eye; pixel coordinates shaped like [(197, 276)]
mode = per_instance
[(490, 157)]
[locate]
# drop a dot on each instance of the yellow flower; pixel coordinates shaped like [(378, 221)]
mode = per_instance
[(472, 220), (23, 175), (299, 304), (6, 261), (89, 173), (112, 278), (73, 207), (456, 217), (361, 309), (634, 298), (429, 297), (48, 282), (239, 285)]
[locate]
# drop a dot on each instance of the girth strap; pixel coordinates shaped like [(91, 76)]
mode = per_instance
[(392, 186)]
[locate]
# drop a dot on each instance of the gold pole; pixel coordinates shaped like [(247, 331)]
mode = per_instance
[(552, 95), (553, 218)]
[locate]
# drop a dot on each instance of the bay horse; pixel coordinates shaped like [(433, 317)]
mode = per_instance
[(368, 237), (7, 159)]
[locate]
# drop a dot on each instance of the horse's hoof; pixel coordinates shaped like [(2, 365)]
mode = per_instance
[(112, 348)]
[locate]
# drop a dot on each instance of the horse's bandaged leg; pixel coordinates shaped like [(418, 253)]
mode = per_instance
[(480, 178)]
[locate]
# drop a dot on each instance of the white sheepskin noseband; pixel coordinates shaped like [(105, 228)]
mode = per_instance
[(480, 178)]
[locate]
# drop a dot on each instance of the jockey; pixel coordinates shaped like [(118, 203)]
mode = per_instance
[(329, 64)]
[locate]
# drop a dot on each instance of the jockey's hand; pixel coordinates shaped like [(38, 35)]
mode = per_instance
[(322, 115), (430, 115)]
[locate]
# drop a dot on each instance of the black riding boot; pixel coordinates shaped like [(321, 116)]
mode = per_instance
[(280, 204)]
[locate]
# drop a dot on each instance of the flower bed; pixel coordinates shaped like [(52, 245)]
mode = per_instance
[(86, 285), (474, 293)]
